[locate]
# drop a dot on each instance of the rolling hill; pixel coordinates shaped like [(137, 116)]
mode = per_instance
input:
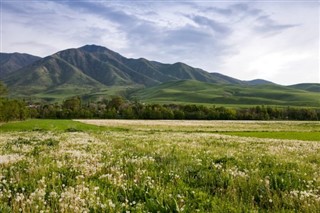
[(190, 91), (307, 87), (93, 72)]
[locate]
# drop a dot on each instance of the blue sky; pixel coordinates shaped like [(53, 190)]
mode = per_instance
[(273, 40)]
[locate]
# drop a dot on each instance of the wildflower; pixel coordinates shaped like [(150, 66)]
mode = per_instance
[(111, 204)]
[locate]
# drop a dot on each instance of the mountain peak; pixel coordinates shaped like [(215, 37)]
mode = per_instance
[(100, 50), (94, 48), (179, 64), (259, 82)]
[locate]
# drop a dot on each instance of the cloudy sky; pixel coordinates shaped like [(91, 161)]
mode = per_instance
[(277, 40)]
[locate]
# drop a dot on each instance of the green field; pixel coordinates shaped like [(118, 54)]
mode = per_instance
[(305, 136), (159, 166), (48, 125), (64, 92), (182, 92), (195, 92)]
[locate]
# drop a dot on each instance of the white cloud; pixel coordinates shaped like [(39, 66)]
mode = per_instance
[(276, 41), (285, 56)]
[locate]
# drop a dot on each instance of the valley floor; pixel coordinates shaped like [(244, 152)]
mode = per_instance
[(166, 166)]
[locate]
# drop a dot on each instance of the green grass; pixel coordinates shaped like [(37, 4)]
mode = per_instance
[(66, 91), (313, 87), (183, 92), (151, 166), (305, 136), (48, 125), (195, 92)]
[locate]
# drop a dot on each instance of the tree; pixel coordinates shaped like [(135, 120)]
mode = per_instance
[(116, 102), (73, 104), (13, 110), (178, 114), (3, 90), (127, 113)]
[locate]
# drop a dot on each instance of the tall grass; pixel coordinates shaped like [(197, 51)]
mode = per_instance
[(140, 169)]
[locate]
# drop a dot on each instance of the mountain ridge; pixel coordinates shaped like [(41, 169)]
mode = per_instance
[(104, 66), (10, 62), (96, 71)]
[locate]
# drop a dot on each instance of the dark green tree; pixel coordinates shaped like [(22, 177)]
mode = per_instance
[(72, 104), (116, 102), (3, 90)]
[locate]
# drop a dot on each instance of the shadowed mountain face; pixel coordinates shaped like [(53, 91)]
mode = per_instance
[(11, 62)]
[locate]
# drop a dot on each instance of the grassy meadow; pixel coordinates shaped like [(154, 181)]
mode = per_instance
[(159, 166), (234, 95)]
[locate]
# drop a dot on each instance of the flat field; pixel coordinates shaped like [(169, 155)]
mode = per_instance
[(159, 166)]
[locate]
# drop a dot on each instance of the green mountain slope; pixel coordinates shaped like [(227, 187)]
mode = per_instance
[(308, 87), (151, 69), (189, 91), (258, 82), (10, 62), (95, 68), (93, 71), (104, 65), (48, 75)]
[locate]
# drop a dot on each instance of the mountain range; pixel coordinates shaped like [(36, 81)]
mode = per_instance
[(94, 72), (10, 62)]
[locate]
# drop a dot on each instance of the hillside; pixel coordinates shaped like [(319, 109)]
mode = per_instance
[(49, 75), (10, 62), (307, 87), (258, 82), (187, 91), (95, 72)]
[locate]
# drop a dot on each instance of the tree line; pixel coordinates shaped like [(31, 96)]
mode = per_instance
[(11, 109), (119, 108)]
